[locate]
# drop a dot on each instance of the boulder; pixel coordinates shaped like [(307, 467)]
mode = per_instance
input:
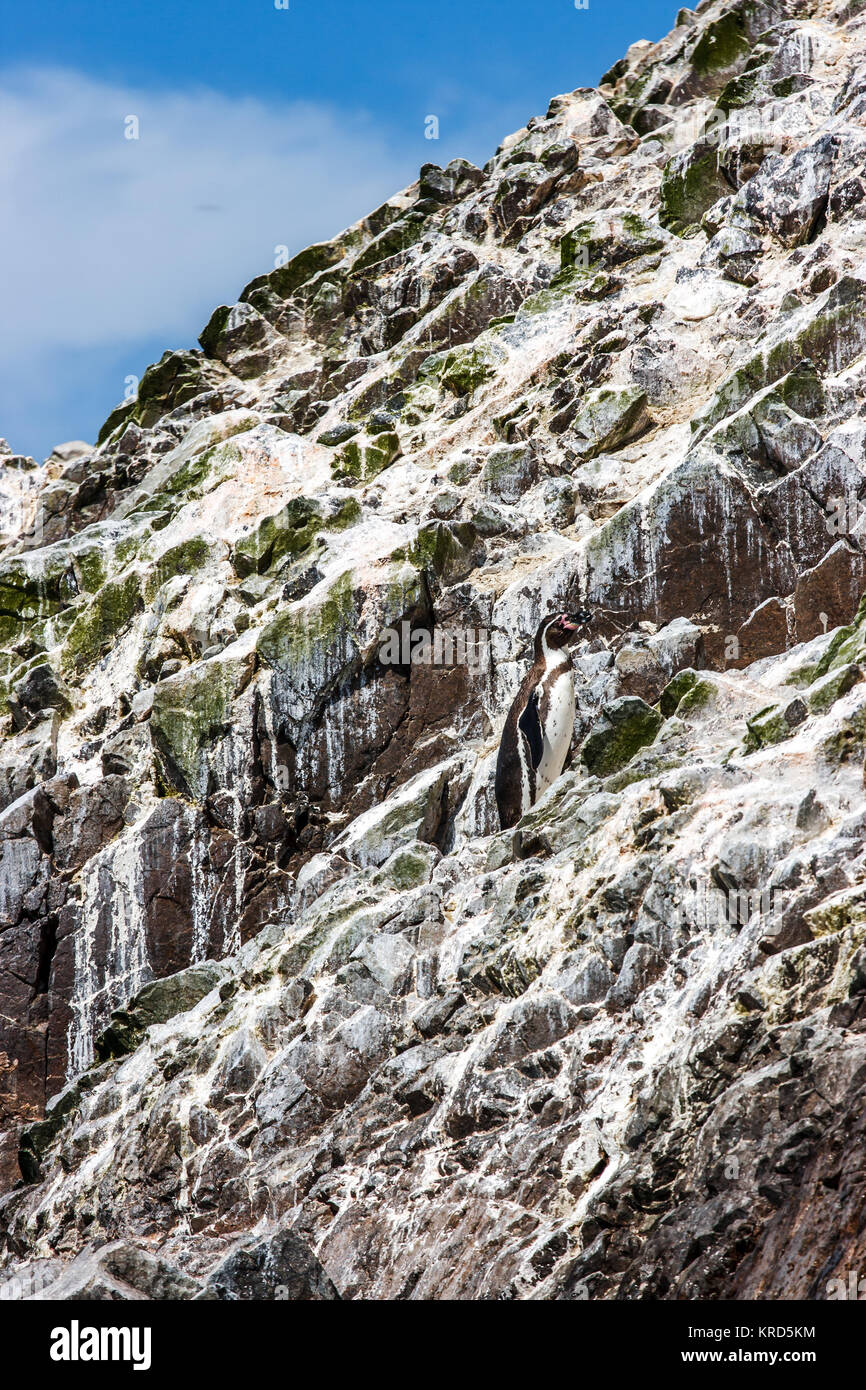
[(279, 1267), (242, 338), (157, 1003), (624, 727), (789, 194), (607, 419)]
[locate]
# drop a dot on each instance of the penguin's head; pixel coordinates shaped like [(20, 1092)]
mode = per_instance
[(560, 630)]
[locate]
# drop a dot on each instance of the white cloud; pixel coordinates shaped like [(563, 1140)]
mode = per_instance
[(108, 240)]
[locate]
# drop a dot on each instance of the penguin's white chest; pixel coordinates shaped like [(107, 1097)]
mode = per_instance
[(557, 730)]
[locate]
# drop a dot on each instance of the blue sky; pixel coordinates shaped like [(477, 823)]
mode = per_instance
[(258, 127)]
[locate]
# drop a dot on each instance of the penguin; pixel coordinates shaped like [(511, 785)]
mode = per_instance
[(537, 733)]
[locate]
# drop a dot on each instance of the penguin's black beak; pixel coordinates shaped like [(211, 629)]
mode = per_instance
[(580, 617)]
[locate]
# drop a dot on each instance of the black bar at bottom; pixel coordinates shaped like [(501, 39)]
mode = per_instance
[(147, 1338)]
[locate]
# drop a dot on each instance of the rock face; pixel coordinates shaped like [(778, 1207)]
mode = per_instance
[(283, 1014)]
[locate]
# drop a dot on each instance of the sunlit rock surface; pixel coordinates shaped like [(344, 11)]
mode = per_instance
[(282, 1012)]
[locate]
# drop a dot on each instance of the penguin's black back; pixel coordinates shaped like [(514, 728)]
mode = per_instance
[(522, 733)]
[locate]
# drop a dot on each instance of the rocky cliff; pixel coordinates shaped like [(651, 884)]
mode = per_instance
[(282, 1011)]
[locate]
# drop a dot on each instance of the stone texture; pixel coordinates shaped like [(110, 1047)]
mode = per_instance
[(283, 1014)]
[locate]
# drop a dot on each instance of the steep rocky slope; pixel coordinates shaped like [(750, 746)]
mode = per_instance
[(280, 1007)]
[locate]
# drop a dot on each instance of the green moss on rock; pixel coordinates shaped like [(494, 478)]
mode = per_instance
[(289, 533), (742, 90), (680, 685), (612, 237), (832, 338), (462, 370), (701, 694), (691, 183), (408, 868), (399, 236), (824, 693), (99, 624), (32, 591), (91, 569), (186, 558), (847, 645), (293, 638), (338, 434), (766, 728), (190, 476), (363, 458), (721, 46), (157, 1003), (444, 549), (192, 711), (298, 271), (166, 384), (418, 402), (625, 726)]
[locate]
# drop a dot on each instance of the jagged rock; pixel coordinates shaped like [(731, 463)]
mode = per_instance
[(414, 814), (157, 1003), (93, 816), (606, 420), (289, 533), (190, 710), (624, 727), (278, 1268), (445, 185), (737, 253), (825, 594), (118, 1272), (522, 192), (242, 1061), (178, 377), (641, 966), (614, 236), (462, 370), (363, 458), (691, 185), (40, 690), (489, 295), (790, 194), (509, 471), (256, 647), (646, 663)]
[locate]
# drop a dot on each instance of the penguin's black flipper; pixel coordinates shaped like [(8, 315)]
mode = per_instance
[(529, 725)]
